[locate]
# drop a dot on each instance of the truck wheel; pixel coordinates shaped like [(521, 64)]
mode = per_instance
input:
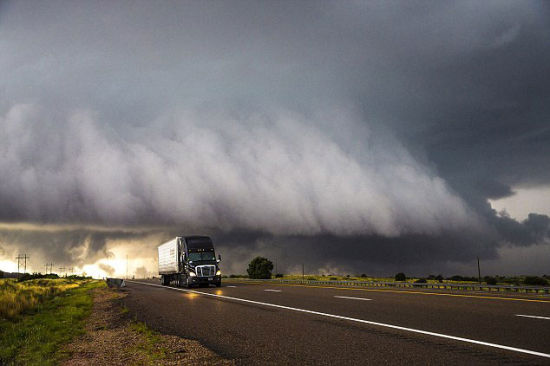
[(218, 284)]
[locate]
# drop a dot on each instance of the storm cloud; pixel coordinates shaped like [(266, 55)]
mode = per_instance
[(357, 135)]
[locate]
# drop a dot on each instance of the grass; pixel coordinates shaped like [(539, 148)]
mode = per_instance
[(500, 280), (309, 277), (149, 346), (18, 297), (54, 313)]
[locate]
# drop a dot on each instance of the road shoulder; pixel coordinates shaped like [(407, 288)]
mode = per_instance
[(113, 338)]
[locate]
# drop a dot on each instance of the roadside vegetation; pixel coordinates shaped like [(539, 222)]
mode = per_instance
[(432, 279), (17, 297), (37, 316)]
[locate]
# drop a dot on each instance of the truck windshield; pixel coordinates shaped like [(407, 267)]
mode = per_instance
[(202, 256)]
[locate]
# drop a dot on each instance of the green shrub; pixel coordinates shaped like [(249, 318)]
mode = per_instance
[(279, 275), (400, 277), (420, 280), (436, 278), (333, 278), (260, 267), (490, 280), (363, 275), (535, 281)]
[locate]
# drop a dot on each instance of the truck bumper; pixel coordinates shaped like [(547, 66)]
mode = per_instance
[(206, 280)]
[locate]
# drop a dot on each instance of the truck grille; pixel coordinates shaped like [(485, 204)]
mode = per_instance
[(205, 271)]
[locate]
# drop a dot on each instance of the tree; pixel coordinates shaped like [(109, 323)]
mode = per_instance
[(260, 267), (400, 277), (1, 274)]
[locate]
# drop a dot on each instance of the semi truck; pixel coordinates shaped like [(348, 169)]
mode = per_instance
[(189, 261)]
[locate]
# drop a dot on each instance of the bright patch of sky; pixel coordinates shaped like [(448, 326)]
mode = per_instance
[(524, 202)]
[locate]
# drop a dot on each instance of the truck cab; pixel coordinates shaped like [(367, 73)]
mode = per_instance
[(199, 262)]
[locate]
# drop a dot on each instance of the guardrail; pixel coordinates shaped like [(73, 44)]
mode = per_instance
[(115, 282), (437, 286)]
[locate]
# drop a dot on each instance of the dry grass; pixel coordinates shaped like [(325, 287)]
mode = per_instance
[(18, 297)]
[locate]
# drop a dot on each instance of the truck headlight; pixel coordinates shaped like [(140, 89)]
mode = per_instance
[(192, 274), (218, 273)]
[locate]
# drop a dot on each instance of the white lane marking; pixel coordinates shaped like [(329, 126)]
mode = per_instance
[(534, 316), (230, 286), (271, 290), (352, 298), (412, 330)]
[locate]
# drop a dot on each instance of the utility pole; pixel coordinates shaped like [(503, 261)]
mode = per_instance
[(46, 266), (23, 257), (478, 271), (126, 266), (62, 269), (303, 275), (51, 268)]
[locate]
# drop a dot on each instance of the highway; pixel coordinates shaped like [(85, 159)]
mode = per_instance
[(289, 324)]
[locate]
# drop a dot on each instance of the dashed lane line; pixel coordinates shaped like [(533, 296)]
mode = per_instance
[(352, 298), (534, 316)]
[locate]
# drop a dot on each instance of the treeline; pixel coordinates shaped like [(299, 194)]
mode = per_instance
[(33, 276), (490, 280)]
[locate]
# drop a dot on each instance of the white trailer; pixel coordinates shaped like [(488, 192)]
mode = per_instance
[(168, 257)]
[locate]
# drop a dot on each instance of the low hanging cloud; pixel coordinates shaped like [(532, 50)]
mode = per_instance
[(277, 173), (106, 268)]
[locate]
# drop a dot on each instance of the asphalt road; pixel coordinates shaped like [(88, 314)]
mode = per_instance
[(287, 324)]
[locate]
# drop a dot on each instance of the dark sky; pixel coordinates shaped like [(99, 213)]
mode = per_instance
[(352, 136)]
